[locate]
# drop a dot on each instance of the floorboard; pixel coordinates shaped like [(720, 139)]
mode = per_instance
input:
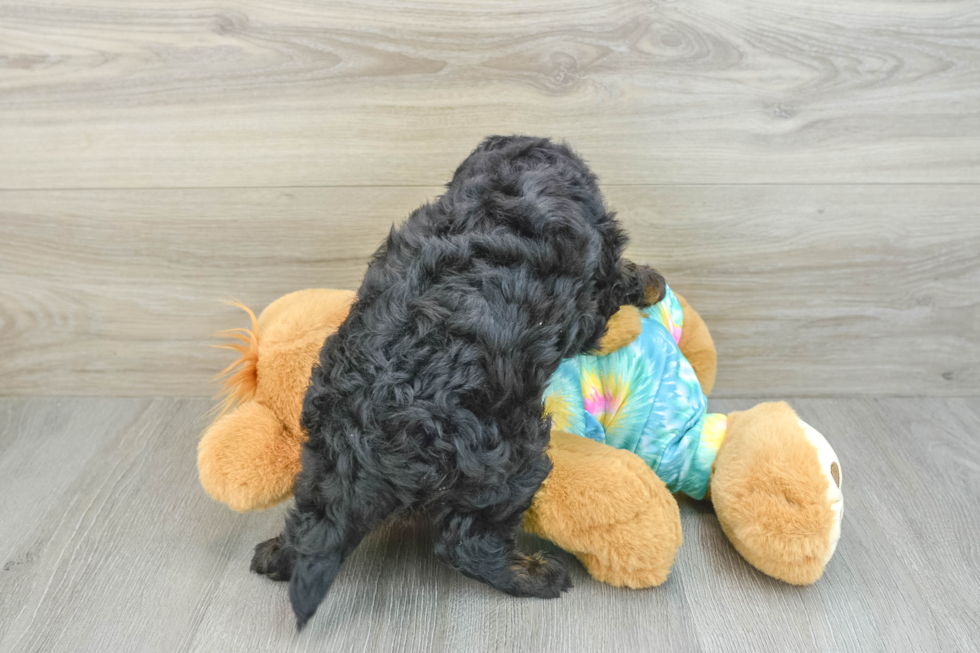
[(110, 544)]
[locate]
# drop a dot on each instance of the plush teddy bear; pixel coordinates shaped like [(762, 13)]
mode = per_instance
[(774, 481)]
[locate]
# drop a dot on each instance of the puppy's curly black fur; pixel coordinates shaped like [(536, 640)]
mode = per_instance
[(429, 396)]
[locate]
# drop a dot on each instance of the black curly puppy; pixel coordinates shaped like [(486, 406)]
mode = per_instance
[(429, 396)]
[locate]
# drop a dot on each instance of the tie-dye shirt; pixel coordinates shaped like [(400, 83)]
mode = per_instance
[(644, 398)]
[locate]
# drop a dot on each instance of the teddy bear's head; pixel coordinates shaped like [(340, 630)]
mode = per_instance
[(250, 454)]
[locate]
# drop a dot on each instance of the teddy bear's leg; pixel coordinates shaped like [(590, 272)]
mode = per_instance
[(776, 492), (247, 459), (698, 347), (608, 508)]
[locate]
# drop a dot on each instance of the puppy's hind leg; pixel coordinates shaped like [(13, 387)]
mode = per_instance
[(485, 551), (480, 544), (274, 558)]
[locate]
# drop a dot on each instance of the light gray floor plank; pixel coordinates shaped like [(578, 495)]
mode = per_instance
[(129, 549), (110, 544), (45, 446)]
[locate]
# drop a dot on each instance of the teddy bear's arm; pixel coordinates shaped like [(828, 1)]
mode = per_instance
[(698, 347), (696, 343), (623, 328)]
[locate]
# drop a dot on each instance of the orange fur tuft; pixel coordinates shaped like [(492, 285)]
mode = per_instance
[(240, 379)]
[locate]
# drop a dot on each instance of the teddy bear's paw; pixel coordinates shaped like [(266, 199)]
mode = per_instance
[(830, 465)]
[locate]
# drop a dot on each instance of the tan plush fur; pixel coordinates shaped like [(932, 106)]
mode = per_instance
[(608, 508), (250, 455), (770, 494), (247, 459), (622, 329)]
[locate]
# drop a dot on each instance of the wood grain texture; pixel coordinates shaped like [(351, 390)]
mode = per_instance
[(114, 93), (808, 290), (110, 544)]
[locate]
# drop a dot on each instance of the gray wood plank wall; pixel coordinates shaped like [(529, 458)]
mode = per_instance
[(807, 173)]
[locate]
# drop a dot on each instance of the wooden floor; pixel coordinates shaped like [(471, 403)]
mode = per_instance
[(109, 544)]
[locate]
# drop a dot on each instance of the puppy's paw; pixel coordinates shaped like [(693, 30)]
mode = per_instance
[(274, 560), (541, 575)]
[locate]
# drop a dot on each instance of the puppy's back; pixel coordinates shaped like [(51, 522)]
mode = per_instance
[(503, 260)]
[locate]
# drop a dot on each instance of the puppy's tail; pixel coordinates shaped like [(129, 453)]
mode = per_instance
[(323, 547), (312, 577)]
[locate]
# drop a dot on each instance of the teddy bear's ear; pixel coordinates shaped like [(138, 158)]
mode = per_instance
[(247, 460)]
